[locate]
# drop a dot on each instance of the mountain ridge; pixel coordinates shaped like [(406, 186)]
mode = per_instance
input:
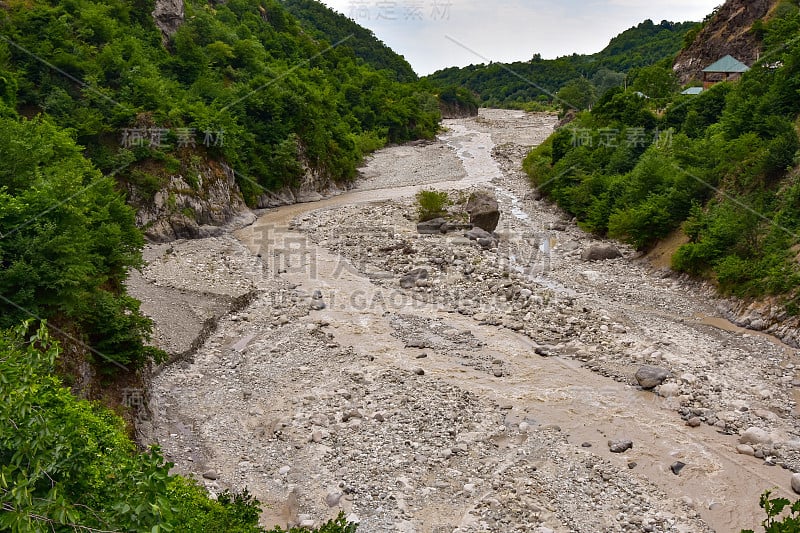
[(499, 84)]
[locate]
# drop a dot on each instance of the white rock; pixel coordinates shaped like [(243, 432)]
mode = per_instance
[(745, 449), (755, 435), (668, 390), (796, 483)]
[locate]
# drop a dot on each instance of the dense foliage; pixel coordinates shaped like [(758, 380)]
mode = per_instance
[(334, 28), (720, 165), (240, 81), (67, 242), (515, 84)]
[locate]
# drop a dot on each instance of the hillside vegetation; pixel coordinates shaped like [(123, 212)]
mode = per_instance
[(720, 166), (515, 84), (333, 27)]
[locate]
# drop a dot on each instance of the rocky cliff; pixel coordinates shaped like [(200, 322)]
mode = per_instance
[(168, 16), (195, 204), (728, 31)]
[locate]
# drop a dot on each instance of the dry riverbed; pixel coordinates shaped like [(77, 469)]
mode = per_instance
[(480, 398)]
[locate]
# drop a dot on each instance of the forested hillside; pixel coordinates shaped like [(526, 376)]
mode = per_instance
[(333, 27), (515, 84), (720, 167)]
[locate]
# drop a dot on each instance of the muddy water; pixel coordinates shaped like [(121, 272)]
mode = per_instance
[(724, 487)]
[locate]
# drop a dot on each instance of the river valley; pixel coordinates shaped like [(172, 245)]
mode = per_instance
[(486, 395)]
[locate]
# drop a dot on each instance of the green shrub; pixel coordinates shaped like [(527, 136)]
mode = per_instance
[(432, 204)]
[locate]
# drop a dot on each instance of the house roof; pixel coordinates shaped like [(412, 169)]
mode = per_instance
[(727, 64), (693, 90)]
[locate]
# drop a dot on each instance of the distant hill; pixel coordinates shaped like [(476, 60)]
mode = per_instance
[(735, 28), (503, 84), (335, 27)]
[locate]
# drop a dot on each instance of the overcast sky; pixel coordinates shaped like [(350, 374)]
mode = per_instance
[(434, 34)]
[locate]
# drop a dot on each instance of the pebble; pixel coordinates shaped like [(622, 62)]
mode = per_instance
[(620, 446)]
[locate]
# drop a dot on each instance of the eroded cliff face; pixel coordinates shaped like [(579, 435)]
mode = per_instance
[(196, 205), (728, 32), (313, 186)]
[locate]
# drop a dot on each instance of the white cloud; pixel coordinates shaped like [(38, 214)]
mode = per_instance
[(506, 30)]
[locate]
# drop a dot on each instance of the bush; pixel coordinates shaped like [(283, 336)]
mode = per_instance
[(432, 204)]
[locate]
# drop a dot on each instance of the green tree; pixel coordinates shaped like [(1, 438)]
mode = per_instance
[(656, 81), (578, 94)]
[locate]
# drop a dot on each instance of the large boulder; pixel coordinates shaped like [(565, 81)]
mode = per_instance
[(600, 252), (756, 436), (432, 227), (650, 377), (483, 209)]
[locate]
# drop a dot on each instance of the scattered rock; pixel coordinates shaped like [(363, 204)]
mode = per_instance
[(317, 303), (483, 209), (601, 252), (620, 446), (431, 227), (694, 422), (486, 244), (210, 474), (649, 376), (668, 390), (333, 498), (478, 233), (409, 281), (419, 371)]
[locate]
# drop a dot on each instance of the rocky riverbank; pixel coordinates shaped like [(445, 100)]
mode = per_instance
[(485, 395)]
